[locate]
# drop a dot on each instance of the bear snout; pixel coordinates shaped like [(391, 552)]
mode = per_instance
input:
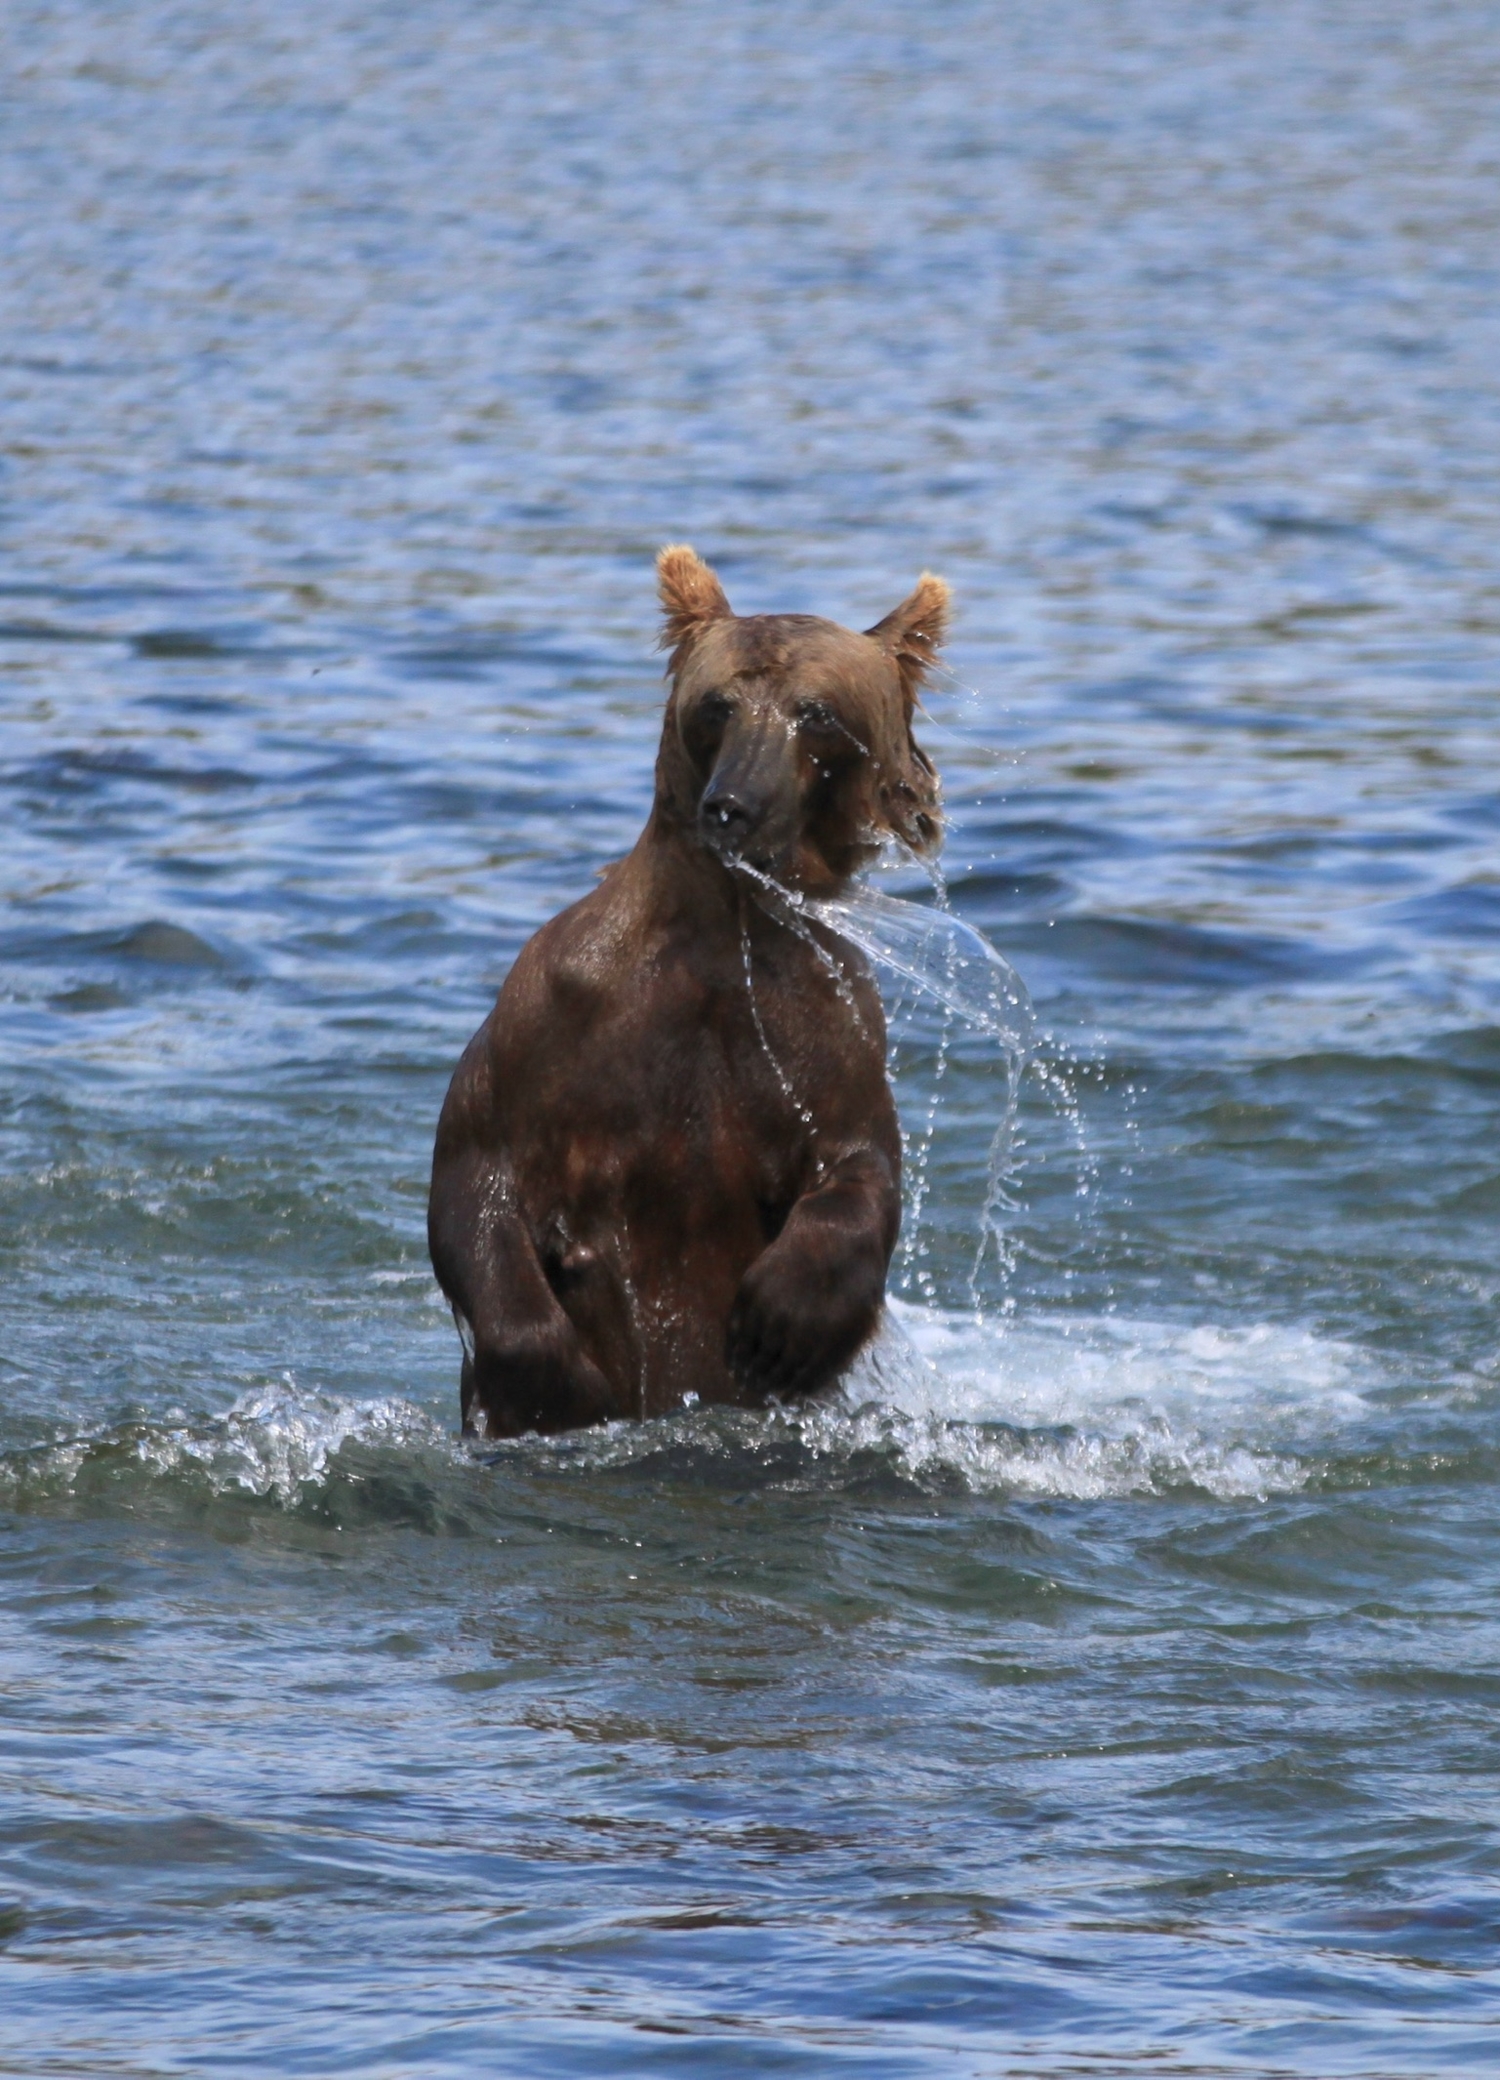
[(727, 824), (750, 808)]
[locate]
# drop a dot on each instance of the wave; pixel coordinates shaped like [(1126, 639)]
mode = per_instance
[(1084, 1408), (1104, 1405), (941, 1402), (273, 1445)]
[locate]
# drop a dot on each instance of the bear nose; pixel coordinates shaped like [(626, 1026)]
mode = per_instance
[(724, 814)]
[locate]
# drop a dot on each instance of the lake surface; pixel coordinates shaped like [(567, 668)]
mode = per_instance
[(1109, 1681)]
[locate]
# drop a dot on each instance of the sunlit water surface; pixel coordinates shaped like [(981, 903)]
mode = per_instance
[(1107, 1681)]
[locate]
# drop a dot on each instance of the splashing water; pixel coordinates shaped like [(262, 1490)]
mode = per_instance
[(944, 957), (955, 966), (915, 1268), (788, 1089), (949, 961), (274, 1444)]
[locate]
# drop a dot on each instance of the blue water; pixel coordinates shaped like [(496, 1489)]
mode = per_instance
[(1105, 1683)]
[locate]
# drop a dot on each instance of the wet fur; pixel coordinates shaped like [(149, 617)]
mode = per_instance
[(668, 1163)]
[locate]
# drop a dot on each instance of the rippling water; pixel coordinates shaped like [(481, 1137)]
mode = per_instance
[(1104, 1683)]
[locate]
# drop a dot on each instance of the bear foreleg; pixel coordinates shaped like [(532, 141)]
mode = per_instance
[(813, 1297), (524, 1367)]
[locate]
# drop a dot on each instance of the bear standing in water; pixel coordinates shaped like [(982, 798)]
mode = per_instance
[(668, 1162)]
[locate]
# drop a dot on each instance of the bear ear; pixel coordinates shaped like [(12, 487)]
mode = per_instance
[(912, 634), (690, 595)]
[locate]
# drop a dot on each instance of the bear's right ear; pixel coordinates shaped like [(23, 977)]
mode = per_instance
[(690, 595)]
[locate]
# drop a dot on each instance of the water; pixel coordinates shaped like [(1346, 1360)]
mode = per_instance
[(1104, 1686)]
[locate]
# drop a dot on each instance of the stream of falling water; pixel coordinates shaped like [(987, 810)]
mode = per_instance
[(944, 959)]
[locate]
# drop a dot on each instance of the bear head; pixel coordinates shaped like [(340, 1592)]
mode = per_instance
[(787, 746)]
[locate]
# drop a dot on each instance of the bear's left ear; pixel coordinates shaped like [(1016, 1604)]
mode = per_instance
[(912, 634)]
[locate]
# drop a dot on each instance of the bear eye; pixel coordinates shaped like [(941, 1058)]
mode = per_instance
[(817, 715), (714, 707)]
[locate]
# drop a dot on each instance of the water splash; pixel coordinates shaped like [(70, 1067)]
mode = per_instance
[(778, 1067), (1091, 1407), (947, 961), (274, 1444), (1069, 1406), (945, 958), (913, 1262)]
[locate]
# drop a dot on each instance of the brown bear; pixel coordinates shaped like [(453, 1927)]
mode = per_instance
[(668, 1164)]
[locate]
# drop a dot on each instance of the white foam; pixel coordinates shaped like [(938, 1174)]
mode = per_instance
[(1083, 1407), (1091, 1406), (1073, 1407), (1068, 1368), (273, 1441), (277, 1440)]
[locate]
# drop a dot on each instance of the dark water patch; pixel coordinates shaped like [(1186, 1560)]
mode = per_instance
[(1482, 1197), (88, 997), (472, 653), (96, 772), (273, 1455), (402, 933), (155, 950), (162, 944), (1475, 1053), (1457, 1063), (1311, 1551), (1450, 1935), (181, 642), (1463, 914), (222, 1209), (48, 632), (1288, 521), (155, 943), (998, 893), (1175, 956), (1483, 809), (1042, 841)]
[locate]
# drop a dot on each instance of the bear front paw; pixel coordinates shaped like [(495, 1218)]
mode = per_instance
[(532, 1379), (792, 1330)]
